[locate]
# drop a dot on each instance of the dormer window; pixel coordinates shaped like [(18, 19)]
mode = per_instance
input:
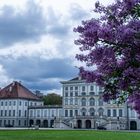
[(10, 89)]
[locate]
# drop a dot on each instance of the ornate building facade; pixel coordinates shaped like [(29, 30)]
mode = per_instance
[(82, 107), (15, 100)]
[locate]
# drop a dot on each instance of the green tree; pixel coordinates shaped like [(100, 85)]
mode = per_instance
[(52, 99)]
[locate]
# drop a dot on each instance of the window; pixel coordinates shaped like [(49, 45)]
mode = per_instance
[(100, 111), (13, 122), (91, 88), (92, 93), (38, 113), (20, 103), (100, 89), (114, 113), (83, 102), (76, 88), (25, 103), (19, 122), (66, 113), (5, 103), (5, 112), (92, 112), (76, 93), (100, 102), (13, 112), (71, 113), (9, 103), (71, 101), (25, 113), (120, 113), (25, 123), (14, 103), (83, 94), (52, 113), (71, 88), (92, 101), (45, 113), (8, 121), (66, 101), (71, 94), (83, 88), (1, 113), (9, 112), (4, 122), (83, 111), (109, 113), (66, 88), (1, 103), (66, 94), (31, 113), (76, 112), (19, 113), (0, 122), (76, 101)]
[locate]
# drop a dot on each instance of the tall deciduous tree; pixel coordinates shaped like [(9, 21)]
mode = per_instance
[(52, 99), (110, 47)]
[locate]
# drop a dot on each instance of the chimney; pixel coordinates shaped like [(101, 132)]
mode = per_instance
[(14, 82), (38, 93)]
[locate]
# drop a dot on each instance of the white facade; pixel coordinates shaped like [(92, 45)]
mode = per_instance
[(44, 116), (84, 108), (14, 112)]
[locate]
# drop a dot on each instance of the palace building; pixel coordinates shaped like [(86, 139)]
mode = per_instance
[(83, 107)]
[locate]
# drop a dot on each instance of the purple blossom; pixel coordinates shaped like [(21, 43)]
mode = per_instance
[(113, 46)]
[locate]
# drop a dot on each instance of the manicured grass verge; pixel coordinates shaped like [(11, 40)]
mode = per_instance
[(66, 135)]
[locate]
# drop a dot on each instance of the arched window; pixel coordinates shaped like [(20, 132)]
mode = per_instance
[(92, 101), (83, 111), (92, 112), (83, 102), (100, 102), (101, 111)]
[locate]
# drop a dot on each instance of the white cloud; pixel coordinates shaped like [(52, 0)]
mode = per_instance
[(59, 19)]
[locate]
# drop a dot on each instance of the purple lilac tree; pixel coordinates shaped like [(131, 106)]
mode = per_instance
[(110, 48)]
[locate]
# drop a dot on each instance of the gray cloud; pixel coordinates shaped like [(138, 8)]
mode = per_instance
[(59, 26), (43, 85), (39, 73), (23, 26), (29, 25)]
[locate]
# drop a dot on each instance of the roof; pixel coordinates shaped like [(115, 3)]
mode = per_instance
[(17, 90), (74, 80), (77, 78)]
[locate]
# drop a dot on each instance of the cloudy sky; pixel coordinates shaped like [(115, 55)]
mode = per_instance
[(36, 41)]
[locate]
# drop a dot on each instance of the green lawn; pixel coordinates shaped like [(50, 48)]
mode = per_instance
[(66, 135)]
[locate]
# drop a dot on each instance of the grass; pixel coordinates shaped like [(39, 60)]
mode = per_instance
[(66, 135)]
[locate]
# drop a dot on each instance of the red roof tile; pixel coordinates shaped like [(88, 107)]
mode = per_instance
[(17, 90)]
